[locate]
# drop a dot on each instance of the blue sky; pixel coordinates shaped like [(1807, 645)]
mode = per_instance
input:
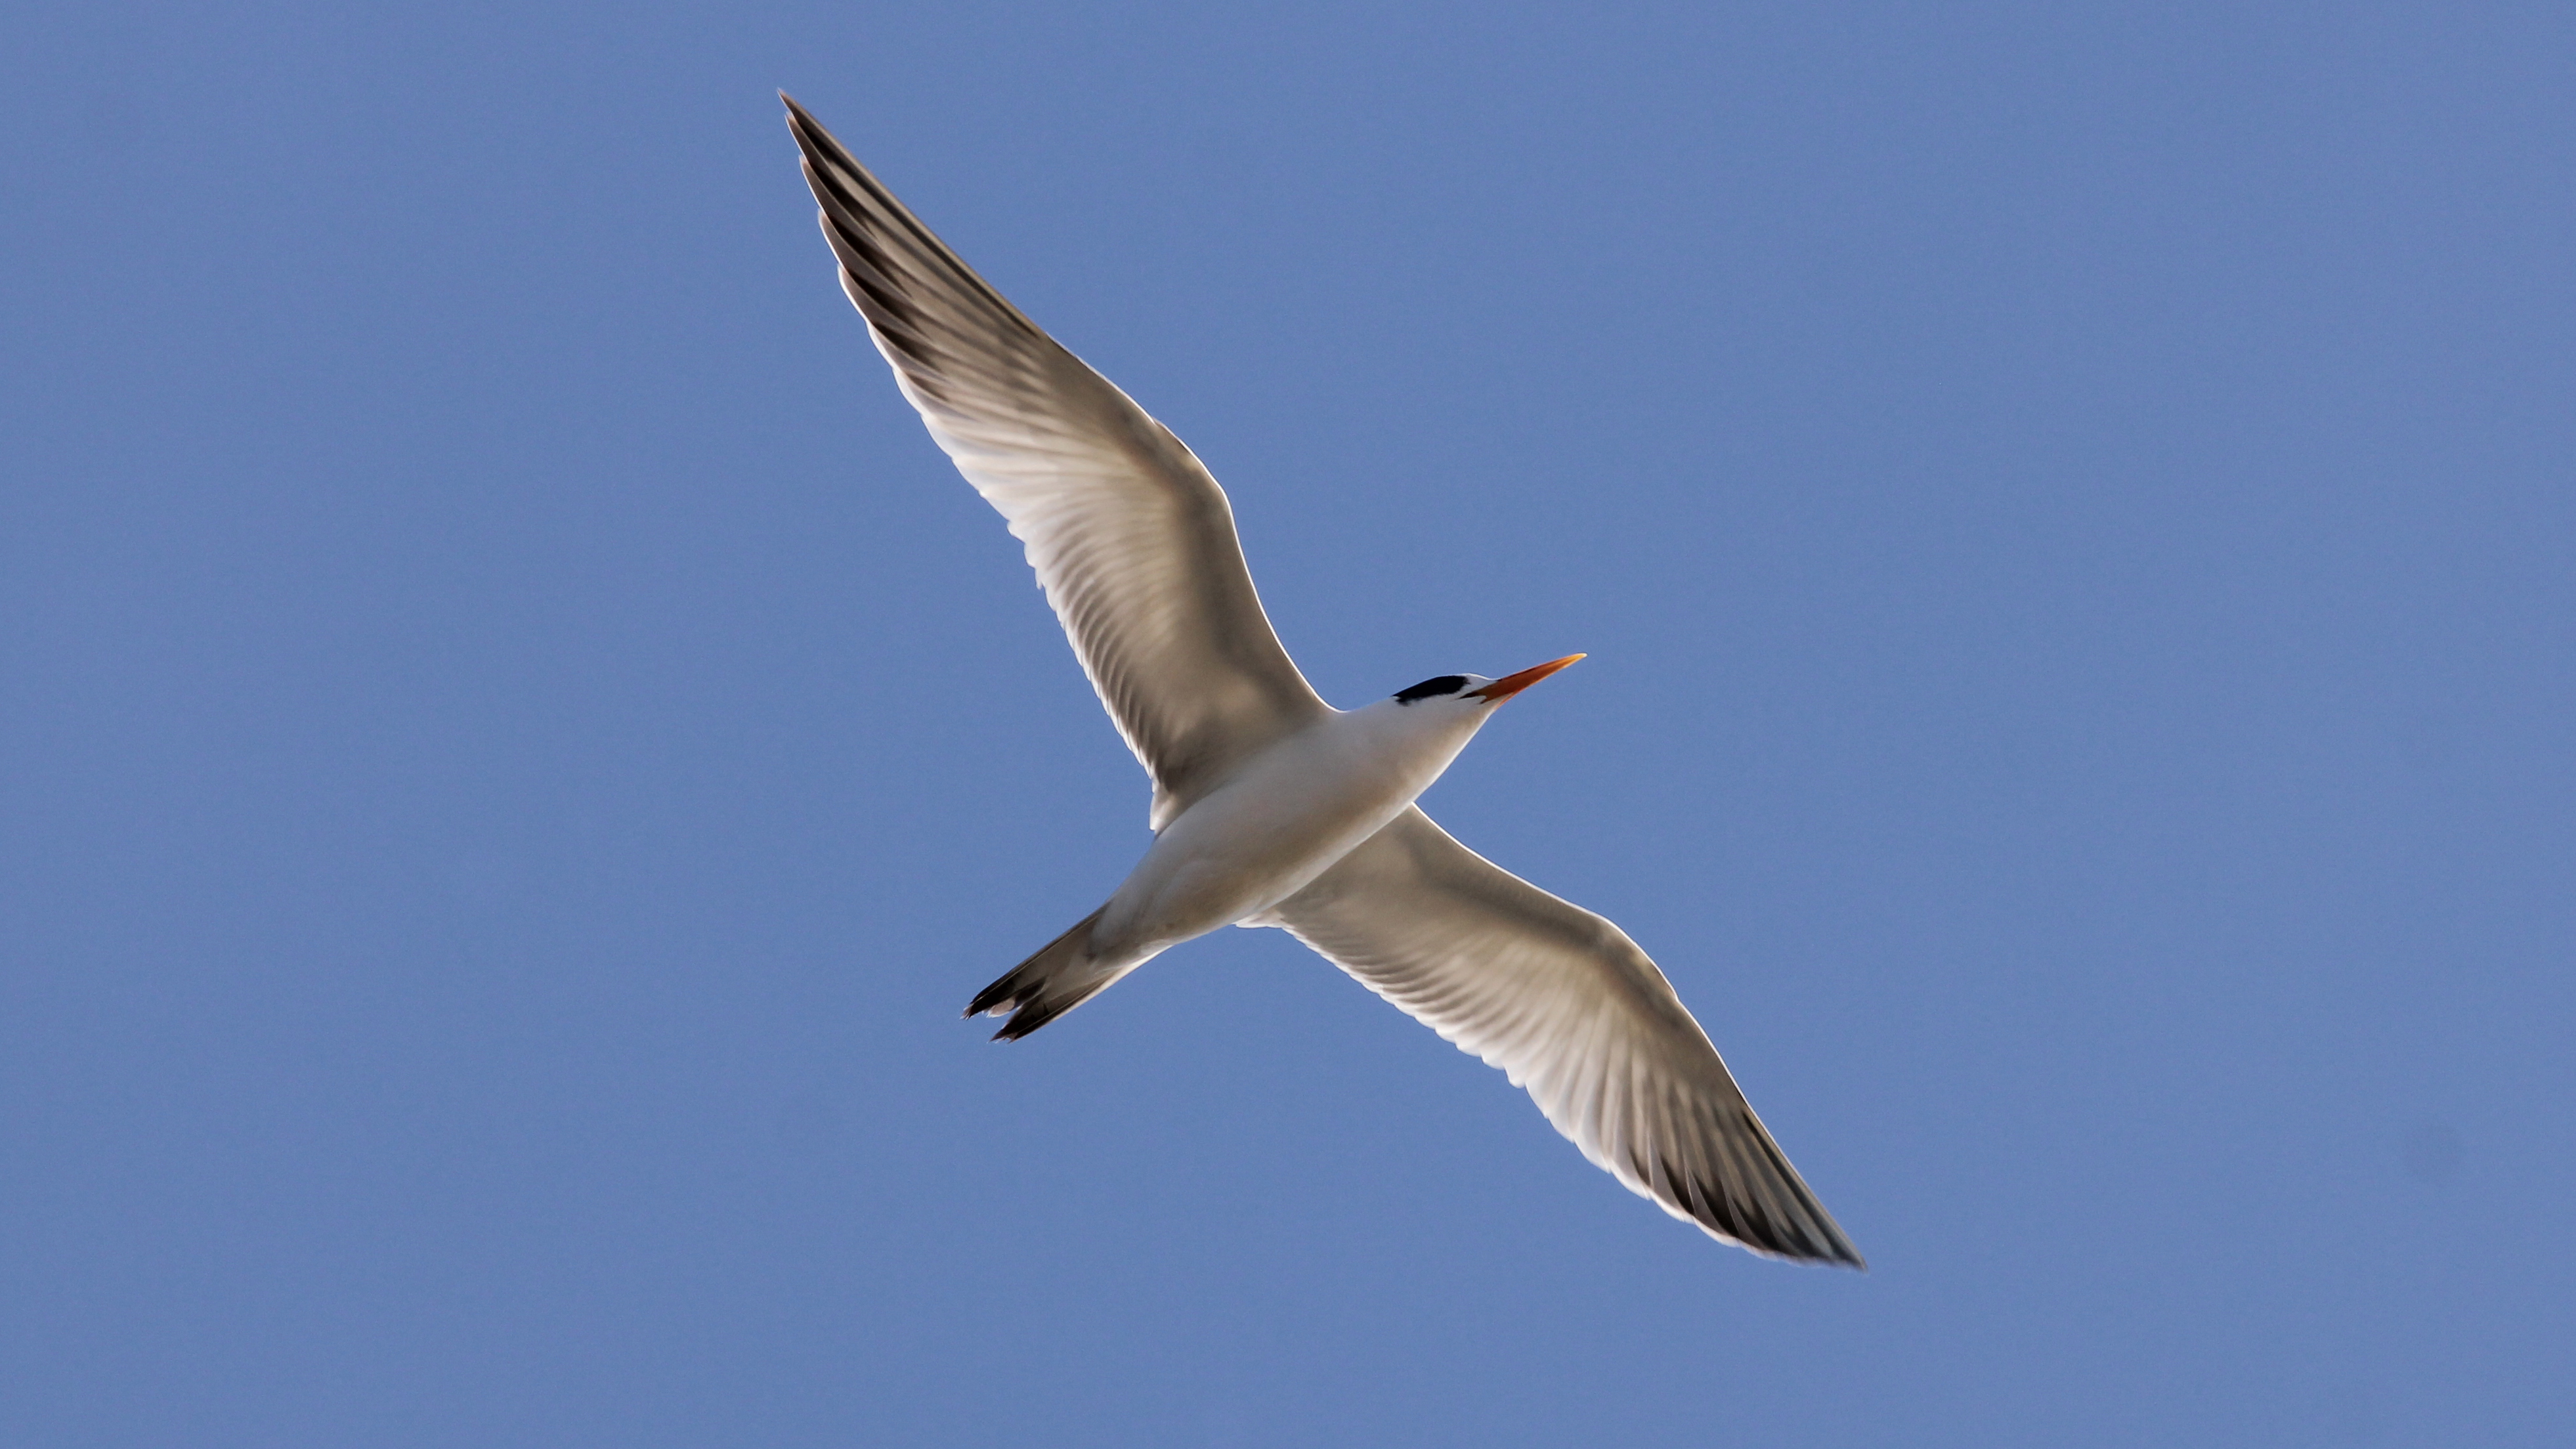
[(519, 746)]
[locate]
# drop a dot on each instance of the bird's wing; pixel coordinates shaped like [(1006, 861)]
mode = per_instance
[(1566, 1004), (1131, 538)]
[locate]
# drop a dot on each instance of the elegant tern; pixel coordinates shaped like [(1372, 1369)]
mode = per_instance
[(1271, 807)]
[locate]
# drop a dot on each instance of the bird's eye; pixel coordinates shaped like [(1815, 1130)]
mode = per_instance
[(1432, 688)]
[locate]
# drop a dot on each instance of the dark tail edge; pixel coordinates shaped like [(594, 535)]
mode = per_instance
[(1042, 988)]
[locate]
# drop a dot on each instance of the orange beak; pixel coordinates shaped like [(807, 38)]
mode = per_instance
[(1511, 684)]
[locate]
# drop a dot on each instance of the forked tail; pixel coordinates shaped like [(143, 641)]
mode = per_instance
[(1060, 977)]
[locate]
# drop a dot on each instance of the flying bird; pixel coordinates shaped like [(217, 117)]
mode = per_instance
[(1271, 807)]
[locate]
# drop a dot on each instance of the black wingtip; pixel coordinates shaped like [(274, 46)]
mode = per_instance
[(1834, 1252), (800, 121)]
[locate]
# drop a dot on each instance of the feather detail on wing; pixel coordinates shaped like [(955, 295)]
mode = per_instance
[(1571, 1010), (1131, 538)]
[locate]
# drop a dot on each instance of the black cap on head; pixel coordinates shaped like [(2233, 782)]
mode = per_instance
[(1432, 688)]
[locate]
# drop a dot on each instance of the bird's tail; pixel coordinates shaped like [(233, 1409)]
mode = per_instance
[(1061, 976)]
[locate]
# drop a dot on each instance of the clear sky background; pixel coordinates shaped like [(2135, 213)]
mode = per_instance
[(517, 747)]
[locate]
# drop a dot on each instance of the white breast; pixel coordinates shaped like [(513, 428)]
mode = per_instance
[(1283, 820)]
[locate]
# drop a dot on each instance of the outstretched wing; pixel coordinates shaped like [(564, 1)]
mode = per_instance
[(1568, 1007), (1131, 538)]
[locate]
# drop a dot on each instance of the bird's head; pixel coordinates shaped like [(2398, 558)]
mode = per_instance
[(1451, 693)]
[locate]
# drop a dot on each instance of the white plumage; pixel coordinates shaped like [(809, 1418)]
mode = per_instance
[(1272, 808)]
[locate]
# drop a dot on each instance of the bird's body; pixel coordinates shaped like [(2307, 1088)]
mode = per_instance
[(1272, 808), (1292, 811), (1284, 817)]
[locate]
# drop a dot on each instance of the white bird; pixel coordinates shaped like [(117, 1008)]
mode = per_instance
[(1271, 807)]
